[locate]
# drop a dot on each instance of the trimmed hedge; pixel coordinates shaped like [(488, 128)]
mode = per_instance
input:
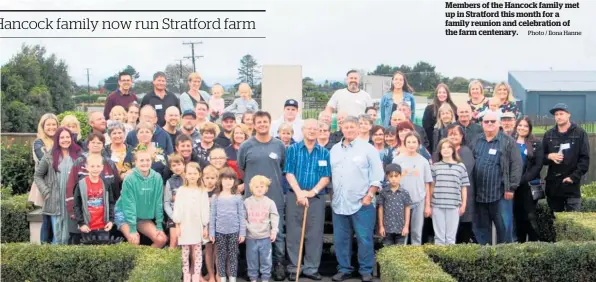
[(122, 262), (409, 263), (575, 226), (14, 210), (17, 166), (535, 261)]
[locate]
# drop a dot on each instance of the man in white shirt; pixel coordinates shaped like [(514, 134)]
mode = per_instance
[(351, 100), (290, 116)]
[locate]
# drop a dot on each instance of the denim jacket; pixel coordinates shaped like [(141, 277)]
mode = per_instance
[(386, 106)]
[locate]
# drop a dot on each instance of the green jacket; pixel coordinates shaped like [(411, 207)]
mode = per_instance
[(142, 198)]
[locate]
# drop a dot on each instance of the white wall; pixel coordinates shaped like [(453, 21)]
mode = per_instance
[(280, 82)]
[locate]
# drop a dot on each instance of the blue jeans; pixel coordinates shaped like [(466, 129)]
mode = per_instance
[(258, 252), (363, 222), (501, 214), (46, 235)]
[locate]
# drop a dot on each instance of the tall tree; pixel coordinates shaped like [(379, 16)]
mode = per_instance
[(249, 70), (176, 77), (33, 84)]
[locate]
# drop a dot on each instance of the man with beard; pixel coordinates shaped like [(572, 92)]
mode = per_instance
[(265, 155), (228, 121), (351, 100), (189, 123), (567, 155), (98, 125), (123, 96), (508, 123), (160, 98), (172, 120)]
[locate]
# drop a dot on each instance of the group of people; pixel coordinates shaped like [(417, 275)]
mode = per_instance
[(193, 173)]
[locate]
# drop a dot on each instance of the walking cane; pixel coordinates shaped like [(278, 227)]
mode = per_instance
[(301, 243)]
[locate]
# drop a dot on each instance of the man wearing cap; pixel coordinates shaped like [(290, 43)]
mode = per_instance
[(290, 116), (228, 121), (189, 123), (508, 123), (567, 155)]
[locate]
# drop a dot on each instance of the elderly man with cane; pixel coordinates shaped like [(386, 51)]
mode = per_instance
[(308, 170), (357, 174)]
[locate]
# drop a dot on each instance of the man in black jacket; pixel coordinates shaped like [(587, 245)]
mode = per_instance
[(567, 155)]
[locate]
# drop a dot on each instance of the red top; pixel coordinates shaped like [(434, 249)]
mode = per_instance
[(95, 204)]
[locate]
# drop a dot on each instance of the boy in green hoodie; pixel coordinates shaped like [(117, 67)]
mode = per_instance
[(140, 207)]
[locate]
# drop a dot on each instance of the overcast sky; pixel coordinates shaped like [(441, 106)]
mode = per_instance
[(326, 37)]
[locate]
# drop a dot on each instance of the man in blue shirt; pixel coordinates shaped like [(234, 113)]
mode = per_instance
[(308, 171), (357, 174)]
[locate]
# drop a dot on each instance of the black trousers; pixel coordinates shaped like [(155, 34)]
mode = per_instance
[(524, 212)]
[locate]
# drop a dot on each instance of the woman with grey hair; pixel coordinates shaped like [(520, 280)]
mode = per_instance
[(117, 150), (365, 123), (323, 139)]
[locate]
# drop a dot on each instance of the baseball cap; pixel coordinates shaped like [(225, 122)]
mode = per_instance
[(508, 115), (392, 168), (559, 107), (228, 115), (189, 112), (291, 103)]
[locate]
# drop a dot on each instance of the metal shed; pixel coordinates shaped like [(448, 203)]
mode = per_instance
[(539, 91)]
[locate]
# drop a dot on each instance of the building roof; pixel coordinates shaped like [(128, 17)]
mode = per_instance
[(556, 80)]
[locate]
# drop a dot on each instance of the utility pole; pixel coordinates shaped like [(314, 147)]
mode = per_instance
[(88, 85), (193, 57), (181, 80)]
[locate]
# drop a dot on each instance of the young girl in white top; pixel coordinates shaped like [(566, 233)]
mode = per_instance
[(191, 215), (227, 227), (415, 178), (449, 193)]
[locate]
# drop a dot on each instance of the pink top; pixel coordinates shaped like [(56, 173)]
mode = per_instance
[(216, 105)]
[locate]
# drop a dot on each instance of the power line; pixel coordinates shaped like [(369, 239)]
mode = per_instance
[(181, 76), (193, 57)]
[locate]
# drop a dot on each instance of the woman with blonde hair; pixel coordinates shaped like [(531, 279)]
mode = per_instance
[(478, 102), (446, 116), (504, 93), (189, 99), (240, 133), (72, 123), (46, 129), (119, 113), (244, 103)]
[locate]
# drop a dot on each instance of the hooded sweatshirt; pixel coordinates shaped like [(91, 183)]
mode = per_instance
[(142, 198)]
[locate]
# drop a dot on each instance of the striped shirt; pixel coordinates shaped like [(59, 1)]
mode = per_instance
[(227, 215), (487, 174), (449, 180), (308, 167)]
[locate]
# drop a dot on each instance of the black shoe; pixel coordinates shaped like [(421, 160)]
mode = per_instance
[(292, 277), (367, 278), (315, 276), (340, 276), (279, 273)]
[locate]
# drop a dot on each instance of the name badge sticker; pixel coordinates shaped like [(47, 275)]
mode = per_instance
[(565, 146), (273, 155), (492, 151), (322, 163), (158, 107)]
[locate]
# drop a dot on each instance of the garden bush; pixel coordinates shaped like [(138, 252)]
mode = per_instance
[(575, 226), (82, 118), (409, 263), (121, 262), (14, 210), (535, 261), (17, 166)]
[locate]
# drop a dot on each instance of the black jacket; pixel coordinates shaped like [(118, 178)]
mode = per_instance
[(575, 163), (533, 164), (423, 136)]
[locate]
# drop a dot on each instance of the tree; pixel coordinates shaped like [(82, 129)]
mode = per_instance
[(423, 77), (33, 84), (143, 86), (111, 83), (249, 70), (176, 77)]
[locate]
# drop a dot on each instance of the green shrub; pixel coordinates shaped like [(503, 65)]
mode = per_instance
[(536, 261), (122, 262), (409, 263), (82, 118), (575, 226), (14, 210), (17, 167)]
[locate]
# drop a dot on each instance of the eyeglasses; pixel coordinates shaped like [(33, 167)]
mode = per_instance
[(219, 158), (489, 121)]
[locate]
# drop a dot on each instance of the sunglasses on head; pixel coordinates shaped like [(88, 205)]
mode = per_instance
[(489, 121)]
